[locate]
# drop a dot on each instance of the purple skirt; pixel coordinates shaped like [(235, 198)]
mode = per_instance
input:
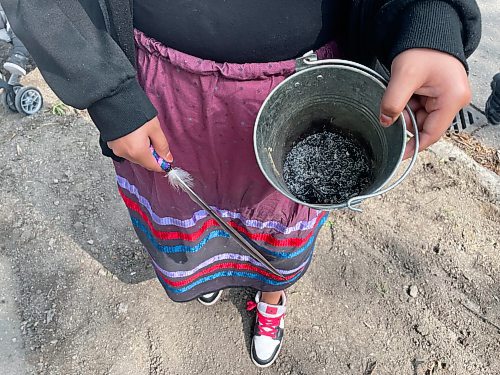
[(207, 111)]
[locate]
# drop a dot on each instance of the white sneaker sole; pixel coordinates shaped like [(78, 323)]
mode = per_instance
[(210, 303), (270, 363), (14, 69)]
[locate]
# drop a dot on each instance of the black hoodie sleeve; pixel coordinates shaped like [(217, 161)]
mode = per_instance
[(451, 26), (81, 62)]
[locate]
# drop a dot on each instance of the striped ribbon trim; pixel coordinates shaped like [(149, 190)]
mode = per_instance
[(209, 224), (225, 274), (220, 234), (225, 256), (202, 214), (230, 267)]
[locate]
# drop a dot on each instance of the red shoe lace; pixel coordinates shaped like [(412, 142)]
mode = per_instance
[(267, 326)]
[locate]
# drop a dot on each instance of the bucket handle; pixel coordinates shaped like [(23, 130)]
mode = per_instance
[(310, 60)]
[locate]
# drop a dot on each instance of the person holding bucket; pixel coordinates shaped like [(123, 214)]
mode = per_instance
[(188, 78)]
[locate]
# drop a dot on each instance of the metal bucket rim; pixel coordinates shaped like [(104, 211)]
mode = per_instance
[(318, 65)]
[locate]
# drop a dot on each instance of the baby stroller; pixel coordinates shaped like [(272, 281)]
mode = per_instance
[(14, 96), (26, 100)]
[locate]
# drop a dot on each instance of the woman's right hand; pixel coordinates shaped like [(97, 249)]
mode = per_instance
[(135, 146)]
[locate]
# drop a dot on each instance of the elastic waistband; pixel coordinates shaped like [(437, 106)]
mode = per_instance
[(240, 72)]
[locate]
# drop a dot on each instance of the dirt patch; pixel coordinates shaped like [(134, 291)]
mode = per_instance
[(411, 286)]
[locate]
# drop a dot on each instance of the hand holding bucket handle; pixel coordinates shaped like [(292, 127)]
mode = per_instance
[(310, 60)]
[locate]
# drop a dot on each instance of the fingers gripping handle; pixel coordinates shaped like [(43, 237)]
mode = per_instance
[(165, 165)]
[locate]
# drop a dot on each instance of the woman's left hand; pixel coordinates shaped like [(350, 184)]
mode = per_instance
[(436, 87)]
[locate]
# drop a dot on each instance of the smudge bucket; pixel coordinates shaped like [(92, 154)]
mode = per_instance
[(348, 95)]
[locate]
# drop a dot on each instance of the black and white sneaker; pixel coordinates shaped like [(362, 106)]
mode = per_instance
[(210, 298), (268, 330), (16, 64)]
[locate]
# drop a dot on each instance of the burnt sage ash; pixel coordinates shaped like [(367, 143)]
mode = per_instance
[(327, 168)]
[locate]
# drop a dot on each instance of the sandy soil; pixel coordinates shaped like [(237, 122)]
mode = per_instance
[(410, 286)]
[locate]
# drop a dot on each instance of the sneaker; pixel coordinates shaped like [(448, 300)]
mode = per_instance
[(16, 64), (210, 298), (268, 330)]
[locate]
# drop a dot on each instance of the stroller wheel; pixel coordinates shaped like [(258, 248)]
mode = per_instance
[(9, 98), (28, 100)]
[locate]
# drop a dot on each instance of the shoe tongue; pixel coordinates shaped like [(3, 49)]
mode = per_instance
[(271, 311)]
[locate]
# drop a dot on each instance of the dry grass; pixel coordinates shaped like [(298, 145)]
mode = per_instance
[(488, 157)]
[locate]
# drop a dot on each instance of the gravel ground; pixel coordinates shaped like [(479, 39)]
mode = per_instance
[(411, 286)]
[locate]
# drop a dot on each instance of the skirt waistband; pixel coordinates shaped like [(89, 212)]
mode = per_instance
[(237, 72)]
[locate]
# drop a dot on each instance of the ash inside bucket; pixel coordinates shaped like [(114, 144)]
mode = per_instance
[(328, 167)]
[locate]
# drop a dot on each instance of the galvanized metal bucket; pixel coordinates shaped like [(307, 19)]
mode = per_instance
[(346, 94)]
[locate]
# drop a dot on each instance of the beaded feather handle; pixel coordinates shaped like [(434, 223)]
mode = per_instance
[(165, 165), (177, 177)]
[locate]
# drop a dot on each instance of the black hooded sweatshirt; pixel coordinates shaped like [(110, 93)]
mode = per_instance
[(85, 49)]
